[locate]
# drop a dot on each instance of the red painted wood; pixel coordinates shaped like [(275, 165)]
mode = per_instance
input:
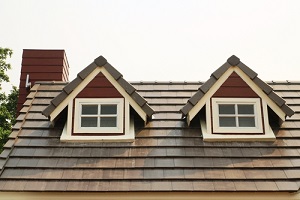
[(33, 77), (33, 53), (43, 61), (99, 87), (245, 92), (37, 68), (100, 81), (234, 82), (42, 65), (235, 86), (99, 93)]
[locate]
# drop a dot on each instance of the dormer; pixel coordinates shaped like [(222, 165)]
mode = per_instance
[(234, 104), (100, 105)]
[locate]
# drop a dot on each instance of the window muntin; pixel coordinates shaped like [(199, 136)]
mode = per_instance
[(236, 115), (103, 115), (98, 115)]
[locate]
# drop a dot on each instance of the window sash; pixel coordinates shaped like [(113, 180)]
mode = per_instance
[(236, 114), (239, 119), (98, 114), (109, 120)]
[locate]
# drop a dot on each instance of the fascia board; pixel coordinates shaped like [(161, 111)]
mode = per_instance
[(260, 93), (193, 112), (122, 91), (85, 82), (74, 93)]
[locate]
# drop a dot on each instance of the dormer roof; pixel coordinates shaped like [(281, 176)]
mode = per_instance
[(58, 104), (234, 62)]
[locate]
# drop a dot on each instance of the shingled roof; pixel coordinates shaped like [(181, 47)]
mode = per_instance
[(231, 62), (166, 155), (99, 62)]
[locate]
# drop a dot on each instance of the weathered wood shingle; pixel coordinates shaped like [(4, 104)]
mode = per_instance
[(166, 155)]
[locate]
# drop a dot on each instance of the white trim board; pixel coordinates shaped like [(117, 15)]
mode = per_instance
[(85, 82)]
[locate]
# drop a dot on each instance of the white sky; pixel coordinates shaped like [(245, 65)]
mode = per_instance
[(158, 39)]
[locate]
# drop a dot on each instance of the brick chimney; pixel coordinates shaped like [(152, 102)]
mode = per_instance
[(41, 65)]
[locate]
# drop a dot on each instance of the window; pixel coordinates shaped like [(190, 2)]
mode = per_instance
[(98, 115), (241, 115)]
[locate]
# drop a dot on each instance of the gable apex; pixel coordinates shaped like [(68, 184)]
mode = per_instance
[(233, 60), (100, 61), (100, 64), (234, 64)]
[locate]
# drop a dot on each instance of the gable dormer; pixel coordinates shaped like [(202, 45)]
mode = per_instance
[(100, 104), (234, 104)]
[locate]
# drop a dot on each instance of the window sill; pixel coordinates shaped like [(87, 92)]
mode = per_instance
[(207, 137), (128, 137)]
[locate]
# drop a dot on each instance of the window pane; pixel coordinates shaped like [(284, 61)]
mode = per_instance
[(227, 122), (89, 110), (108, 109), (226, 109), (88, 121), (246, 122), (246, 109), (108, 122)]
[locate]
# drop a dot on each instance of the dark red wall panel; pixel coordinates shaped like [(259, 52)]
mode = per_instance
[(99, 87), (235, 86), (42, 65)]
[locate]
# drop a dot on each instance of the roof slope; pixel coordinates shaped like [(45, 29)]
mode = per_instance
[(99, 62), (231, 62), (166, 155)]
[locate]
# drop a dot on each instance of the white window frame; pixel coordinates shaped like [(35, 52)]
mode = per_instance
[(100, 101), (237, 101)]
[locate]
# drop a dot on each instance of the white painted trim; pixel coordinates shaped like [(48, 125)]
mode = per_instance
[(208, 117), (237, 101), (208, 137), (100, 101), (129, 136), (266, 116), (261, 94), (135, 106), (128, 120), (74, 93), (194, 111), (85, 82), (69, 120)]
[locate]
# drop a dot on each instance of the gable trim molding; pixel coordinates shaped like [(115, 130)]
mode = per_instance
[(194, 111), (85, 82)]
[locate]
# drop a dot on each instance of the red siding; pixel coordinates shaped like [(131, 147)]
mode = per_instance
[(37, 53), (42, 61), (42, 65), (235, 86), (99, 87)]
